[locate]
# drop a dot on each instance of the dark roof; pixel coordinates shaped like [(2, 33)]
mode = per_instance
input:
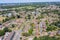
[(11, 35)]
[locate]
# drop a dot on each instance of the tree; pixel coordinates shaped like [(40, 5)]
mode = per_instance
[(18, 16), (7, 30), (50, 28), (29, 16), (13, 25), (46, 22), (2, 32), (46, 38), (32, 24), (0, 23), (56, 24), (30, 31), (6, 19), (35, 38)]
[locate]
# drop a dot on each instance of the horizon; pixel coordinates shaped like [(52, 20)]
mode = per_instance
[(27, 1)]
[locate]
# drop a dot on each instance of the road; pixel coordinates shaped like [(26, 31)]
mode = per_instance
[(18, 34)]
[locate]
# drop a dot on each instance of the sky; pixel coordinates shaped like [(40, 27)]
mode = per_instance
[(24, 1)]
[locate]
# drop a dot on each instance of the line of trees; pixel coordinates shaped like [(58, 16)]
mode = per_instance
[(2, 32), (46, 38)]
